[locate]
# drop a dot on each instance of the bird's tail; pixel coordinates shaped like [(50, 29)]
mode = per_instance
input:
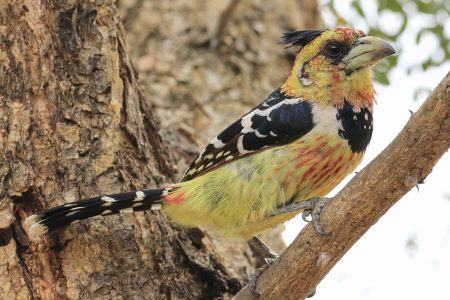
[(65, 214)]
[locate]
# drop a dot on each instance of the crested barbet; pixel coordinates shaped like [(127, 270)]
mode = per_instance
[(277, 159)]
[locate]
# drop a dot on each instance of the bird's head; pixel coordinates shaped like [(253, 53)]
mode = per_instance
[(335, 65)]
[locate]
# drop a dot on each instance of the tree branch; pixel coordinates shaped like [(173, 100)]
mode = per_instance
[(402, 165)]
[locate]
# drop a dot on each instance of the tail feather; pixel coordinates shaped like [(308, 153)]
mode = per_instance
[(65, 214)]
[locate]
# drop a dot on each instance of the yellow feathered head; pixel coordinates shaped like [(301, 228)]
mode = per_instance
[(334, 65)]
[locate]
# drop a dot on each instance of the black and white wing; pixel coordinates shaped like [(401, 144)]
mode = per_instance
[(278, 120)]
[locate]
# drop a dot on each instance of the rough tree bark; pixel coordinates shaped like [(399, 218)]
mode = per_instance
[(74, 124), (404, 164)]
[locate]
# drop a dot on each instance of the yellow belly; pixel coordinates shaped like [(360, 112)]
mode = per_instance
[(237, 198)]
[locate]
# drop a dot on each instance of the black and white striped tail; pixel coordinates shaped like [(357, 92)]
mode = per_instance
[(63, 215)]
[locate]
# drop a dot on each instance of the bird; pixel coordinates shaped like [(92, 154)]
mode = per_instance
[(279, 159)]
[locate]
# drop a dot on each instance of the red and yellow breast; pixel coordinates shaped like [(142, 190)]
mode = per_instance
[(316, 165), (238, 198)]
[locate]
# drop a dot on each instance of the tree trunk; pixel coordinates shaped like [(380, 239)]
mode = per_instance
[(74, 124)]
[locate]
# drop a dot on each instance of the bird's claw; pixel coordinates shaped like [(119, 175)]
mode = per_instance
[(310, 208), (306, 214), (314, 210), (252, 282)]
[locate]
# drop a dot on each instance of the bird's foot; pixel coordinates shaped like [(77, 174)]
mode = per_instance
[(311, 208), (315, 208), (252, 282), (269, 257)]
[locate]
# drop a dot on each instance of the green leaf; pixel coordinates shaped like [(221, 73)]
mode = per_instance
[(428, 7), (394, 6), (427, 64), (382, 78)]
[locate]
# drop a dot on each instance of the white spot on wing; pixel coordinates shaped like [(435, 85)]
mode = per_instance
[(246, 121), (259, 134), (76, 208), (156, 206), (139, 196), (199, 158), (108, 199), (240, 146), (217, 143)]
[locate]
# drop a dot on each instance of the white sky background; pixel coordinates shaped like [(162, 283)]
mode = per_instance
[(406, 255)]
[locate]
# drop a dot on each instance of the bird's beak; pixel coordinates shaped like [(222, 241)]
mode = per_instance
[(368, 51)]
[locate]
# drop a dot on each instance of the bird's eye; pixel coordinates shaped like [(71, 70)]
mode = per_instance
[(334, 50)]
